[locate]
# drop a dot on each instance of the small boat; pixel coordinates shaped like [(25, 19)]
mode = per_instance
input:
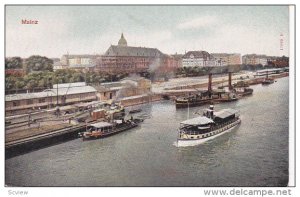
[(267, 81), (243, 91), (105, 129), (241, 88), (209, 126)]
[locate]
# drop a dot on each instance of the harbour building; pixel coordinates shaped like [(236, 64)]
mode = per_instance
[(122, 58), (61, 94), (198, 59)]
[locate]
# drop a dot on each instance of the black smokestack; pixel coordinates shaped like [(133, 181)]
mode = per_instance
[(229, 81), (209, 82)]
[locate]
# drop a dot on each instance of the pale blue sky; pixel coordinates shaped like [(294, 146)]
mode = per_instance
[(171, 29)]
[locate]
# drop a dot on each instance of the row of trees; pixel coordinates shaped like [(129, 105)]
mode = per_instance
[(200, 71), (33, 63), (39, 74), (46, 79)]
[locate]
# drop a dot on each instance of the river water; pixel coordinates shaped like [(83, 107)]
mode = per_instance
[(254, 154)]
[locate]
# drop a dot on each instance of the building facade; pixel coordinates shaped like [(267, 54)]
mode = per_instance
[(61, 94), (225, 59), (122, 58), (78, 62), (198, 59), (255, 59)]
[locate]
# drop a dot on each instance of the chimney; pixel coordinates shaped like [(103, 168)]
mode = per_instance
[(229, 81), (209, 82)]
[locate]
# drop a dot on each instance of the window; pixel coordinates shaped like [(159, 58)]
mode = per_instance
[(29, 102), (42, 100), (16, 103)]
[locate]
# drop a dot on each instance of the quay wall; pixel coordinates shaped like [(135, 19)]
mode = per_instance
[(26, 145)]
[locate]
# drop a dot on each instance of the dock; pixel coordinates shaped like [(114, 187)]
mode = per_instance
[(23, 145)]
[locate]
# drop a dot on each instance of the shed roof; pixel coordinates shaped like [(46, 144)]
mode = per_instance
[(51, 92)]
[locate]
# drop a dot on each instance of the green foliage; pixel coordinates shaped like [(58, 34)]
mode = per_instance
[(46, 79), (38, 63), (13, 63)]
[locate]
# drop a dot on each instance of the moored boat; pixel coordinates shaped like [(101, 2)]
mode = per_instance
[(203, 128), (267, 81), (105, 129), (192, 101)]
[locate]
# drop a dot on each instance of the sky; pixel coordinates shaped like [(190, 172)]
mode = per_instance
[(171, 29)]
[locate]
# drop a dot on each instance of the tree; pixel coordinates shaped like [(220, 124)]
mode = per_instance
[(13, 63), (19, 84), (10, 82), (38, 63)]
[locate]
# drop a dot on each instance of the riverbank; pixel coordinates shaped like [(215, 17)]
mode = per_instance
[(256, 153), (39, 130)]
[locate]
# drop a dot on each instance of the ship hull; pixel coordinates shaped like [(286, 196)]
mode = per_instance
[(192, 104), (224, 100), (194, 142), (116, 131)]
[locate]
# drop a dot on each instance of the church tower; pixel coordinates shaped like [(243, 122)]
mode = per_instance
[(122, 41)]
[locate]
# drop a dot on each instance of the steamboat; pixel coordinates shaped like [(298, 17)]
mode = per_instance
[(207, 97), (241, 88), (211, 125), (104, 129), (192, 100)]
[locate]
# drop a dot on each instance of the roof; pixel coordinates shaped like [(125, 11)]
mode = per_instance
[(224, 54), (114, 50), (198, 54), (65, 90), (101, 124), (101, 88), (201, 120), (66, 85), (225, 113)]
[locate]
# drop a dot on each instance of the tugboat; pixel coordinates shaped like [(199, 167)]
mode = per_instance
[(192, 100), (221, 96), (105, 129), (203, 128), (207, 97), (241, 88)]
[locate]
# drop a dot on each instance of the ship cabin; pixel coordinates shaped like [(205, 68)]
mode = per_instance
[(195, 126), (103, 127), (225, 116)]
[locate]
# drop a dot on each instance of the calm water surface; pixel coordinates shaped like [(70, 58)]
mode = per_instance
[(253, 154)]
